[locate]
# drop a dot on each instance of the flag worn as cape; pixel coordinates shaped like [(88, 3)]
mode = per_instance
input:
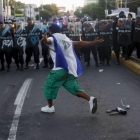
[(65, 55)]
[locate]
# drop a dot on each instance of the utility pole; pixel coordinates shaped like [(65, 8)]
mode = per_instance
[(14, 9), (42, 4), (1, 10), (30, 10), (125, 3), (121, 3), (7, 10)]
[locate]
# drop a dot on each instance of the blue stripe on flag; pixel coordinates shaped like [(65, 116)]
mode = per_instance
[(60, 59), (79, 65)]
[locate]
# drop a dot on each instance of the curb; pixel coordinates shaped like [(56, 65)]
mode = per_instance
[(130, 64)]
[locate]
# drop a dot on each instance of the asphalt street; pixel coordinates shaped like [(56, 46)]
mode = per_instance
[(72, 119)]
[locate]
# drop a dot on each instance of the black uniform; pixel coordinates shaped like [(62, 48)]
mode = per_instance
[(90, 36), (106, 32), (6, 46), (20, 42), (124, 38), (34, 35), (116, 46), (136, 37)]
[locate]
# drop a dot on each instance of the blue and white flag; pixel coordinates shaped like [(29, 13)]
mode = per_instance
[(65, 55)]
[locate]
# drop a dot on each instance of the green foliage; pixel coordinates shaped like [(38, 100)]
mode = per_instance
[(45, 14), (97, 10), (133, 5), (78, 14), (18, 12)]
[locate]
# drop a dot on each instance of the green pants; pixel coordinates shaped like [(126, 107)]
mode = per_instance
[(58, 78)]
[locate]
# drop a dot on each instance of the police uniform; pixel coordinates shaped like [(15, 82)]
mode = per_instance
[(20, 37), (90, 36), (136, 36), (6, 45), (34, 35)]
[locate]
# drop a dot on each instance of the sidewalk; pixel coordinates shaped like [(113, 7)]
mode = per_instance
[(133, 63)]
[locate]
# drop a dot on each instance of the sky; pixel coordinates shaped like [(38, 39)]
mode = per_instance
[(66, 3)]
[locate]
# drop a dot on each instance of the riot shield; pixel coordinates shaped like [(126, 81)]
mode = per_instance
[(106, 32), (124, 31), (34, 35), (20, 36), (44, 28), (6, 37), (136, 34), (75, 31), (90, 30), (65, 30)]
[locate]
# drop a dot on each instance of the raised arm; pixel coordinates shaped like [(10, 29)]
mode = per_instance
[(47, 41), (87, 43)]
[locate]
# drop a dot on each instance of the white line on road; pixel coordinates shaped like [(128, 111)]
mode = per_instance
[(19, 102)]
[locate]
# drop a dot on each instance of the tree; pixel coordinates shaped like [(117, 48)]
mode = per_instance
[(45, 14), (78, 14)]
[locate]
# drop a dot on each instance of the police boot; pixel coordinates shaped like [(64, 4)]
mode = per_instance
[(107, 63), (21, 67), (118, 62), (2, 68), (88, 64), (26, 67), (18, 68), (37, 66), (103, 63), (45, 65), (8, 67)]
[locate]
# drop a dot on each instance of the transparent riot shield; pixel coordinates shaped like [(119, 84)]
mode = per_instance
[(44, 28), (136, 34), (75, 31), (64, 29), (124, 31), (20, 36), (90, 30), (106, 32), (6, 37), (34, 35)]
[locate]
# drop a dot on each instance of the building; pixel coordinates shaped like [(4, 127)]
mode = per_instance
[(79, 9), (29, 11), (62, 9), (86, 2)]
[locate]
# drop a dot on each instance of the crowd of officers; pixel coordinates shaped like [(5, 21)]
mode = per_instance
[(17, 39)]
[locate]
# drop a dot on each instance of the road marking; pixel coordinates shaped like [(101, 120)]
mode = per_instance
[(19, 102)]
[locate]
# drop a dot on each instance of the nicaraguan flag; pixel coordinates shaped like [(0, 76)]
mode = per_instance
[(65, 55)]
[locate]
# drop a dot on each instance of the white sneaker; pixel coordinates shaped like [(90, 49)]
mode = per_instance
[(93, 105), (48, 109)]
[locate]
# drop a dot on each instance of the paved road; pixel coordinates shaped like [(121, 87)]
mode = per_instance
[(72, 120)]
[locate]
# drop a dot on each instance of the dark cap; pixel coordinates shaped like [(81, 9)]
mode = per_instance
[(122, 14), (30, 19), (54, 28)]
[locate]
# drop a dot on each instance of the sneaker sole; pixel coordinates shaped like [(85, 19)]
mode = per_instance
[(94, 109)]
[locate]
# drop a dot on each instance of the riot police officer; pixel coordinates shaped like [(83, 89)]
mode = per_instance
[(34, 35), (6, 44), (136, 36), (89, 35), (20, 36)]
